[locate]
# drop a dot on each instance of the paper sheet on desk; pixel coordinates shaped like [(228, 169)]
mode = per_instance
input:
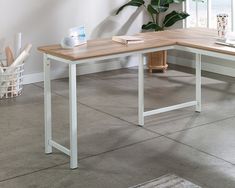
[(230, 38)]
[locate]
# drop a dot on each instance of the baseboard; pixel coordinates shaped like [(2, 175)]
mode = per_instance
[(206, 66), (88, 68)]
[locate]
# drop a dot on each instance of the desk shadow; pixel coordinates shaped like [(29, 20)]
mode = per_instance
[(110, 26)]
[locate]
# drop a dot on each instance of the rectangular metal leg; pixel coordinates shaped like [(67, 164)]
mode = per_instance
[(47, 104), (73, 116), (198, 83), (141, 91)]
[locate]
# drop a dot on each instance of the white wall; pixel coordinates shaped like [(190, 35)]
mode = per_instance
[(45, 22)]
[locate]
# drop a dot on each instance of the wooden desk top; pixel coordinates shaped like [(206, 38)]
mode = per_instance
[(101, 47), (194, 37)]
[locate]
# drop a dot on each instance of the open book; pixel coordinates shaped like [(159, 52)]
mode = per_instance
[(127, 39)]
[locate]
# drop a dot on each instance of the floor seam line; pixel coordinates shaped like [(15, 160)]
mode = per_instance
[(98, 110), (160, 135), (29, 173), (121, 147), (116, 149), (81, 159), (103, 112), (165, 136), (201, 151), (202, 125)]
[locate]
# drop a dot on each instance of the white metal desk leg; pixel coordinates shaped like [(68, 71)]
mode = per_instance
[(47, 104), (198, 83), (73, 116), (141, 91)]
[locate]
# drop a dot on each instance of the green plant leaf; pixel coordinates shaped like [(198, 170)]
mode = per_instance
[(136, 3), (159, 5), (156, 2), (200, 1), (152, 10), (173, 1), (161, 8), (151, 26), (155, 8), (163, 5), (174, 17)]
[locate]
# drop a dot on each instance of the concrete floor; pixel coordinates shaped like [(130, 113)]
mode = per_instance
[(113, 151)]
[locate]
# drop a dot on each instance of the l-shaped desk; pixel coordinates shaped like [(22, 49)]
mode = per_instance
[(196, 40)]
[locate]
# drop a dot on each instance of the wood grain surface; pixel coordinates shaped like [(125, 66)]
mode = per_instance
[(200, 38)]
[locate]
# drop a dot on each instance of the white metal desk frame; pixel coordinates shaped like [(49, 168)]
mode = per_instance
[(72, 152)]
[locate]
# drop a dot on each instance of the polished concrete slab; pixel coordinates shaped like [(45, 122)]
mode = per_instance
[(113, 151), (116, 93), (215, 138), (22, 135), (133, 165), (97, 132)]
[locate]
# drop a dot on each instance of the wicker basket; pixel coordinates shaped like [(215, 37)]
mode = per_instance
[(11, 81)]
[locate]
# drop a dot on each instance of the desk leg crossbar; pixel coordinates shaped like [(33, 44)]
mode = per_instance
[(49, 143), (196, 103)]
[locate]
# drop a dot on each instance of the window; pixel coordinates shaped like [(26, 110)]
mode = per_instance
[(203, 12)]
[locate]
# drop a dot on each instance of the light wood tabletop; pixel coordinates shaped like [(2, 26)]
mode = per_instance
[(200, 38), (101, 47)]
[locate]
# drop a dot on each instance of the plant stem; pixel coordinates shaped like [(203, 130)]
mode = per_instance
[(157, 19), (153, 18), (151, 15)]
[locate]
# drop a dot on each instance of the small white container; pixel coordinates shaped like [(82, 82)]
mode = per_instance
[(11, 81), (222, 25)]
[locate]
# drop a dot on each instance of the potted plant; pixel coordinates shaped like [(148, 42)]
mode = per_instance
[(158, 22)]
